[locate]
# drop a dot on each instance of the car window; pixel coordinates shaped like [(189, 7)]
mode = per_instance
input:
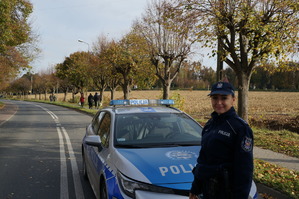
[(104, 129), (96, 121), (156, 129)]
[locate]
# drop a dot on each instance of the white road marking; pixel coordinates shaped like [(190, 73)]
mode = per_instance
[(76, 176), (64, 191)]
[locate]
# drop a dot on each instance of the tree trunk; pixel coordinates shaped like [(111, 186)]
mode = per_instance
[(112, 92), (73, 97), (166, 89), (243, 87), (65, 94), (126, 90), (102, 89)]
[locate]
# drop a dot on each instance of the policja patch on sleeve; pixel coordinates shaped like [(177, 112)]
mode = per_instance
[(247, 144)]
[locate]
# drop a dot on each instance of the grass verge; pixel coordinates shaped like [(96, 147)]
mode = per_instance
[(281, 141), (281, 179)]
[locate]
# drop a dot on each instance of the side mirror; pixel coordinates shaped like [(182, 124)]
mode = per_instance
[(94, 140)]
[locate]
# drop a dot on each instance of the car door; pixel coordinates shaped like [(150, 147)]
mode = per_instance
[(92, 129), (99, 154)]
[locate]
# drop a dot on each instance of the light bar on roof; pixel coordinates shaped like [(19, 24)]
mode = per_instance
[(139, 102), (142, 102), (119, 102), (162, 101)]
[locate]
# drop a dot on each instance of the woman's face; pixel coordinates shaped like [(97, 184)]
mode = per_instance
[(222, 103)]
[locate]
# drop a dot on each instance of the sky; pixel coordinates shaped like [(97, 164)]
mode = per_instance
[(61, 23)]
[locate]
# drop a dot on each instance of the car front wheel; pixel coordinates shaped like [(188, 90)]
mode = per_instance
[(103, 190)]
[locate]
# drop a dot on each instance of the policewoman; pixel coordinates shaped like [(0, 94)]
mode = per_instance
[(224, 167)]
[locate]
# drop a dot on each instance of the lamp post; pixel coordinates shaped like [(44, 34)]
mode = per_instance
[(79, 40)]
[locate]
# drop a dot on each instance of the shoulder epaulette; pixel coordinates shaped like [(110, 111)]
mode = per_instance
[(242, 120)]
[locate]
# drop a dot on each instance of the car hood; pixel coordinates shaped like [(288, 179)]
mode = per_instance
[(170, 166)]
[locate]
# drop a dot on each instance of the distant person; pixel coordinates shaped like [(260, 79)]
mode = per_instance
[(82, 99), (90, 101), (52, 97), (224, 168), (96, 100)]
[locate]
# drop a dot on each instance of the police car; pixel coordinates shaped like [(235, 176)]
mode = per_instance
[(143, 149)]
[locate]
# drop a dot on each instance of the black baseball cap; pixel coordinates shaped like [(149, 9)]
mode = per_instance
[(222, 88)]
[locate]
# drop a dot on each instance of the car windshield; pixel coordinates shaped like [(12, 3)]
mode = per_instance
[(156, 130)]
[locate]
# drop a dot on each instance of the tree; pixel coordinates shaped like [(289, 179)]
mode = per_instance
[(230, 75), (75, 69), (17, 41), (45, 84), (250, 32), (9, 67), (169, 39), (189, 76), (64, 86), (102, 72), (37, 84), (113, 83), (260, 78), (64, 83), (284, 76), (208, 75), (168, 33), (121, 64), (129, 58), (109, 77), (29, 76), (21, 86)]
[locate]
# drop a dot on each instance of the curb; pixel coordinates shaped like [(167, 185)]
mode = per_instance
[(263, 189), (7, 111)]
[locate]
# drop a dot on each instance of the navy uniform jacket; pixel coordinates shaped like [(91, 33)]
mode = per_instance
[(227, 142)]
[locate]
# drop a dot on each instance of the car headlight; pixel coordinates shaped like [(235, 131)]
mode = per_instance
[(129, 186)]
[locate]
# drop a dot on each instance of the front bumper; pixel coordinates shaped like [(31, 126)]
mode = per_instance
[(146, 195)]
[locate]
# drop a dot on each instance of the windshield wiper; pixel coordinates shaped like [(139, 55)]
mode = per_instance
[(180, 144)]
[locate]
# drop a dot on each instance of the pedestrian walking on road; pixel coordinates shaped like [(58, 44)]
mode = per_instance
[(224, 168)]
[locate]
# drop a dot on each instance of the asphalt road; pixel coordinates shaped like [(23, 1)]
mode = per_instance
[(40, 153)]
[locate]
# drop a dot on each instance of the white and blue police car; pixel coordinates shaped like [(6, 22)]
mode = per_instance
[(143, 149)]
